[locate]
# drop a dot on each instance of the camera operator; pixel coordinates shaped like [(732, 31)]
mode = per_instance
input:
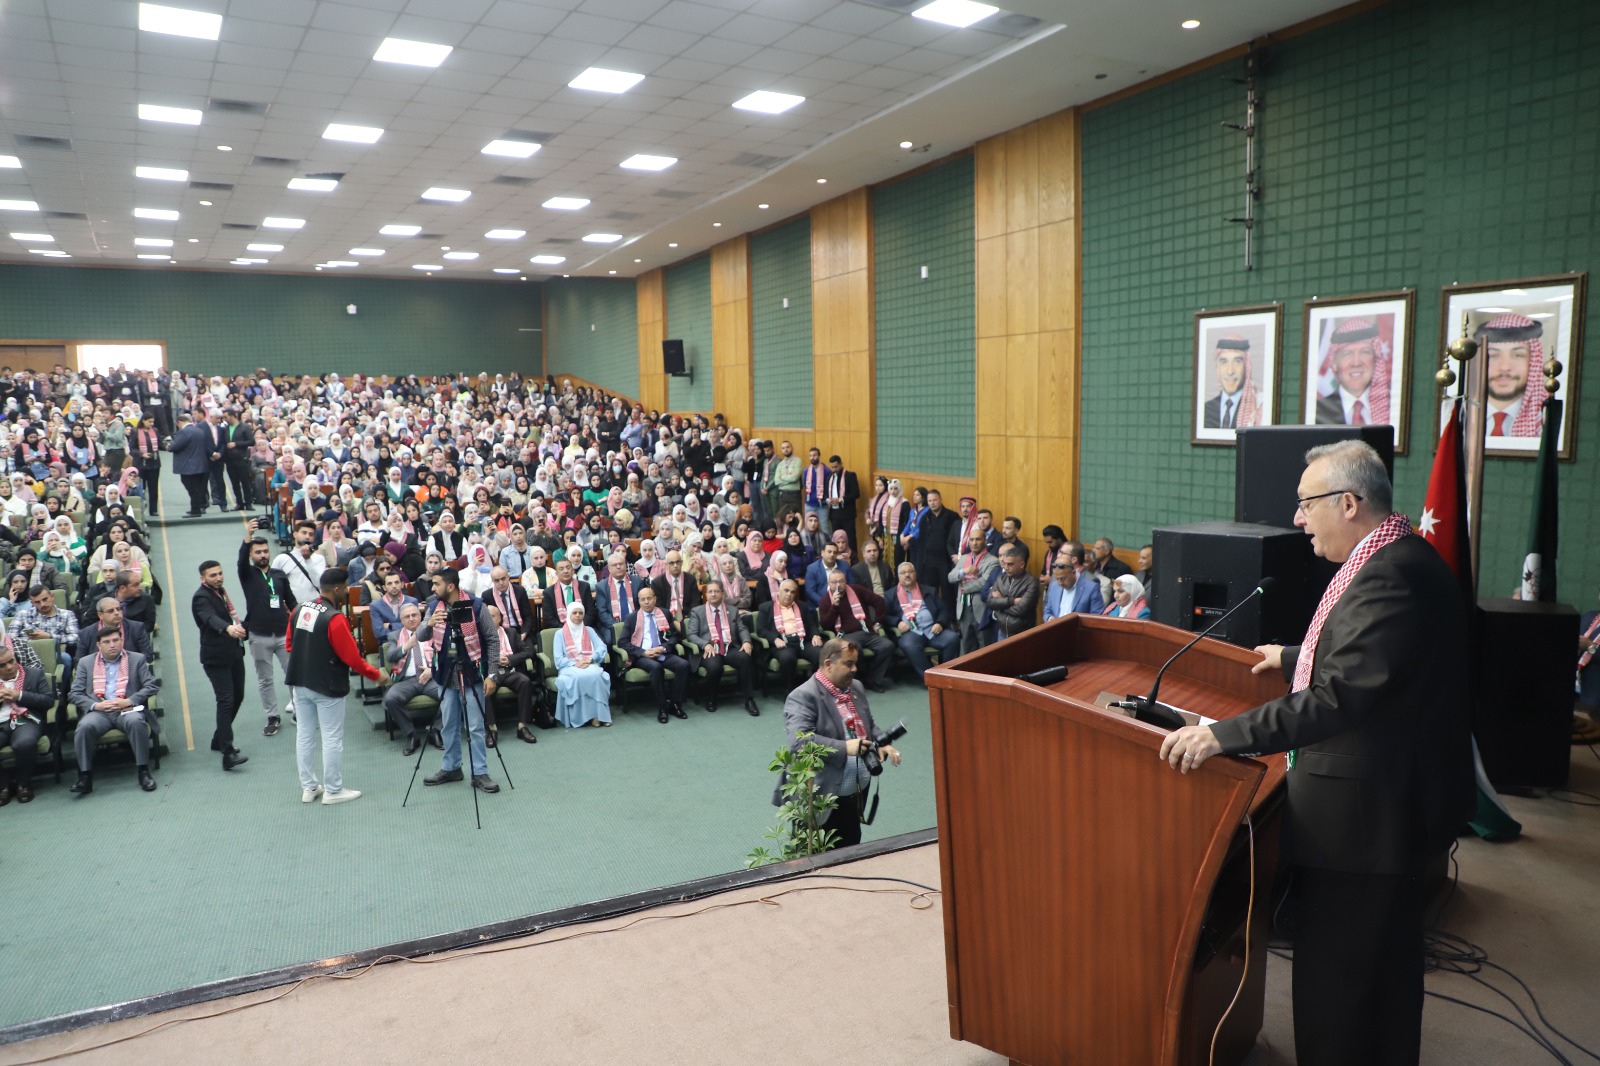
[(464, 637), (267, 603), (832, 707)]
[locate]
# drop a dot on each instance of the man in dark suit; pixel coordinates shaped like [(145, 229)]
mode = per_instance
[(108, 615), (1380, 761), (191, 461), (843, 490), (617, 595), (568, 590), (1233, 380), (26, 697), (649, 639), (831, 709), (789, 627), (221, 656), (676, 593), (516, 613), (1106, 561), (920, 620), (239, 436), (872, 572), (111, 688), (724, 640), (216, 452), (930, 550)]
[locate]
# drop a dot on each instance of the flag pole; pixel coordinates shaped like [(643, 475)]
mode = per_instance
[(1475, 394)]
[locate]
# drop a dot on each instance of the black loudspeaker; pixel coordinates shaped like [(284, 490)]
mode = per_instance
[(672, 357), (1522, 691), (1206, 568), (1270, 459)]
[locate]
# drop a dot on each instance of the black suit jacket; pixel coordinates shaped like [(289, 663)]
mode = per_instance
[(691, 596), (211, 615), (767, 629), (1330, 410), (1383, 775), (852, 493), (548, 608), (893, 614), (136, 636), (669, 639), (530, 618)]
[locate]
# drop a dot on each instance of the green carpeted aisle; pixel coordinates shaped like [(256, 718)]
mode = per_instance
[(219, 874)]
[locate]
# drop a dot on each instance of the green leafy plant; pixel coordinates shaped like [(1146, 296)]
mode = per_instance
[(799, 830)]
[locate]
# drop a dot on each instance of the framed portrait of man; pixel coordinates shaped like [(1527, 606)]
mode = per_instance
[(1235, 371), (1358, 362), (1521, 328)]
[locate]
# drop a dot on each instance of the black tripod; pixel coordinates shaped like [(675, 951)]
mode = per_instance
[(459, 679)]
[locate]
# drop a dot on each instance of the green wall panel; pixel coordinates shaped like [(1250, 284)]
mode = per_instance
[(780, 269), (1379, 174), (925, 327), (592, 331), (229, 323), (689, 320)]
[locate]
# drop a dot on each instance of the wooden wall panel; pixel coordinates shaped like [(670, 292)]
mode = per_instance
[(1028, 290), (843, 408), (732, 387), (652, 289)]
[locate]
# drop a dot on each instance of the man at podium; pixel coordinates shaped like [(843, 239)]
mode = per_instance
[(1380, 767)]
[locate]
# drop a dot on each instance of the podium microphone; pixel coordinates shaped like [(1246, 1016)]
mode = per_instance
[(1145, 708)]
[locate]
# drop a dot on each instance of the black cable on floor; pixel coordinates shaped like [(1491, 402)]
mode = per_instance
[(1550, 793), (1509, 1021)]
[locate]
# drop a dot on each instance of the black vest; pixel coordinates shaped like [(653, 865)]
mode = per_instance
[(312, 663)]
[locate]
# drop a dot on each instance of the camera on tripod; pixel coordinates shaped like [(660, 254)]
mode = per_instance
[(869, 748)]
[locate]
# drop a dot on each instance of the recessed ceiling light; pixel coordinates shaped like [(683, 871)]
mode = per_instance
[(398, 230), (339, 131), (763, 206), (638, 260), (50, 253), (426, 266), (186, 116), (154, 255), (548, 260), (565, 203), (274, 222), (907, 145), (525, 277), (822, 181), (313, 184), (600, 80), (205, 203), (161, 173), (152, 242), (505, 270), (505, 234), (602, 238), (957, 13), (317, 267), (1191, 24), (444, 247), (153, 18), (18, 205), (717, 224), (648, 162), (411, 53), (34, 237), (454, 196), (673, 244), (461, 255), (366, 251), (768, 103), (194, 240), (511, 149), (343, 263), (263, 247), (241, 261), (158, 214), (10, 162), (224, 147), (611, 272)]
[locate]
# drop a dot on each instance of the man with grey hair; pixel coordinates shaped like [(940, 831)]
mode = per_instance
[(1380, 760), (1014, 596)]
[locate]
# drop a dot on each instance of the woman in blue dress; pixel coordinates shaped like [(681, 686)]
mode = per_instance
[(583, 687)]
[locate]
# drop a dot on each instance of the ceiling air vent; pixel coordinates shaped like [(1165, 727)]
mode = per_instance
[(74, 216), (510, 179), (213, 186), (236, 107), (273, 161), (238, 225), (755, 159), (675, 194), (27, 141)]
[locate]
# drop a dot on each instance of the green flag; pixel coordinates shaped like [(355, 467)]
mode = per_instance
[(1539, 568)]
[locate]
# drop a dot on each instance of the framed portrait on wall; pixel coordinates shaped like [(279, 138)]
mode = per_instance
[(1358, 362), (1235, 371), (1521, 328)]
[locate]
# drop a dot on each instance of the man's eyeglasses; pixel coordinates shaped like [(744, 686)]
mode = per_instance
[(1300, 504)]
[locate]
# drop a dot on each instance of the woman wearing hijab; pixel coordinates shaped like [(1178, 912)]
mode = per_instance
[(70, 539), (777, 573), (753, 560), (649, 565), (736, 591), (56, 554), (583, 687), (1128, 599)]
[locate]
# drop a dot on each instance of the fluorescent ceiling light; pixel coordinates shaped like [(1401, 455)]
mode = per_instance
[(159, 214), (512, 149), (186, 116), (152, 242), (957, 13), (548, 260), (18, 205), (313, 184), (154, 255), (154, 18), (648, 162), (507, 270), (461, 255), (366, 251), (601, 80), (339, 131), (10, 162), (161, 173), (245, 262), (1190, 24), (411, 53), (51, 253), (263, 247), (37, 237), (602, 238), (505, 234), (426, 266), (565, 203), (342, 263), (454, 196), (768, 103), (273, 222), (397, 230)]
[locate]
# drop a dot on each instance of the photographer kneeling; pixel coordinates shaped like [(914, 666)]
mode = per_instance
[(832, 707)]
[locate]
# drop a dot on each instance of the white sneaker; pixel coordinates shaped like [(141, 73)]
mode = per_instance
[(309, 794), (342, 796)]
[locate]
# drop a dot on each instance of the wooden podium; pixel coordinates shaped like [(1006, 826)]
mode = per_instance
[(1094, 898)]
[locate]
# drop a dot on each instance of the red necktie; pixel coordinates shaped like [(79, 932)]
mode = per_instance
[(1499, 429), (716, 629), (1356, 417)]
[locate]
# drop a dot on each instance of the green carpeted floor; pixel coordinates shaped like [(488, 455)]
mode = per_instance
[(219, 874)]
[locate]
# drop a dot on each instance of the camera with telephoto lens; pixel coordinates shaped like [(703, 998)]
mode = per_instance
[(869, 748)]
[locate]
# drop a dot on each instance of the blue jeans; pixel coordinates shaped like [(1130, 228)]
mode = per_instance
[(316, 713), (450, 705)]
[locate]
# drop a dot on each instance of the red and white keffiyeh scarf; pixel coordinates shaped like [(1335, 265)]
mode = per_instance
[(469, 633), (910, 602), (581, 648), (1393, 528), (790, 622), (845, 701), (855, 605), (100, 677), (662, 624)]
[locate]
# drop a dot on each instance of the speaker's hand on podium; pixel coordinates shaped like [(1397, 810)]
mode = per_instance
[(1185, 749), (1271, 658)]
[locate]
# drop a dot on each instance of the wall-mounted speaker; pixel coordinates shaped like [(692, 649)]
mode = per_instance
[(672, 357)]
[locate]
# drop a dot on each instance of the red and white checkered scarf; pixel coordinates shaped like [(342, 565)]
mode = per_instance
[(1390, 530), (100, 676), (845, 701), (1530, 416), (1377, 413)]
